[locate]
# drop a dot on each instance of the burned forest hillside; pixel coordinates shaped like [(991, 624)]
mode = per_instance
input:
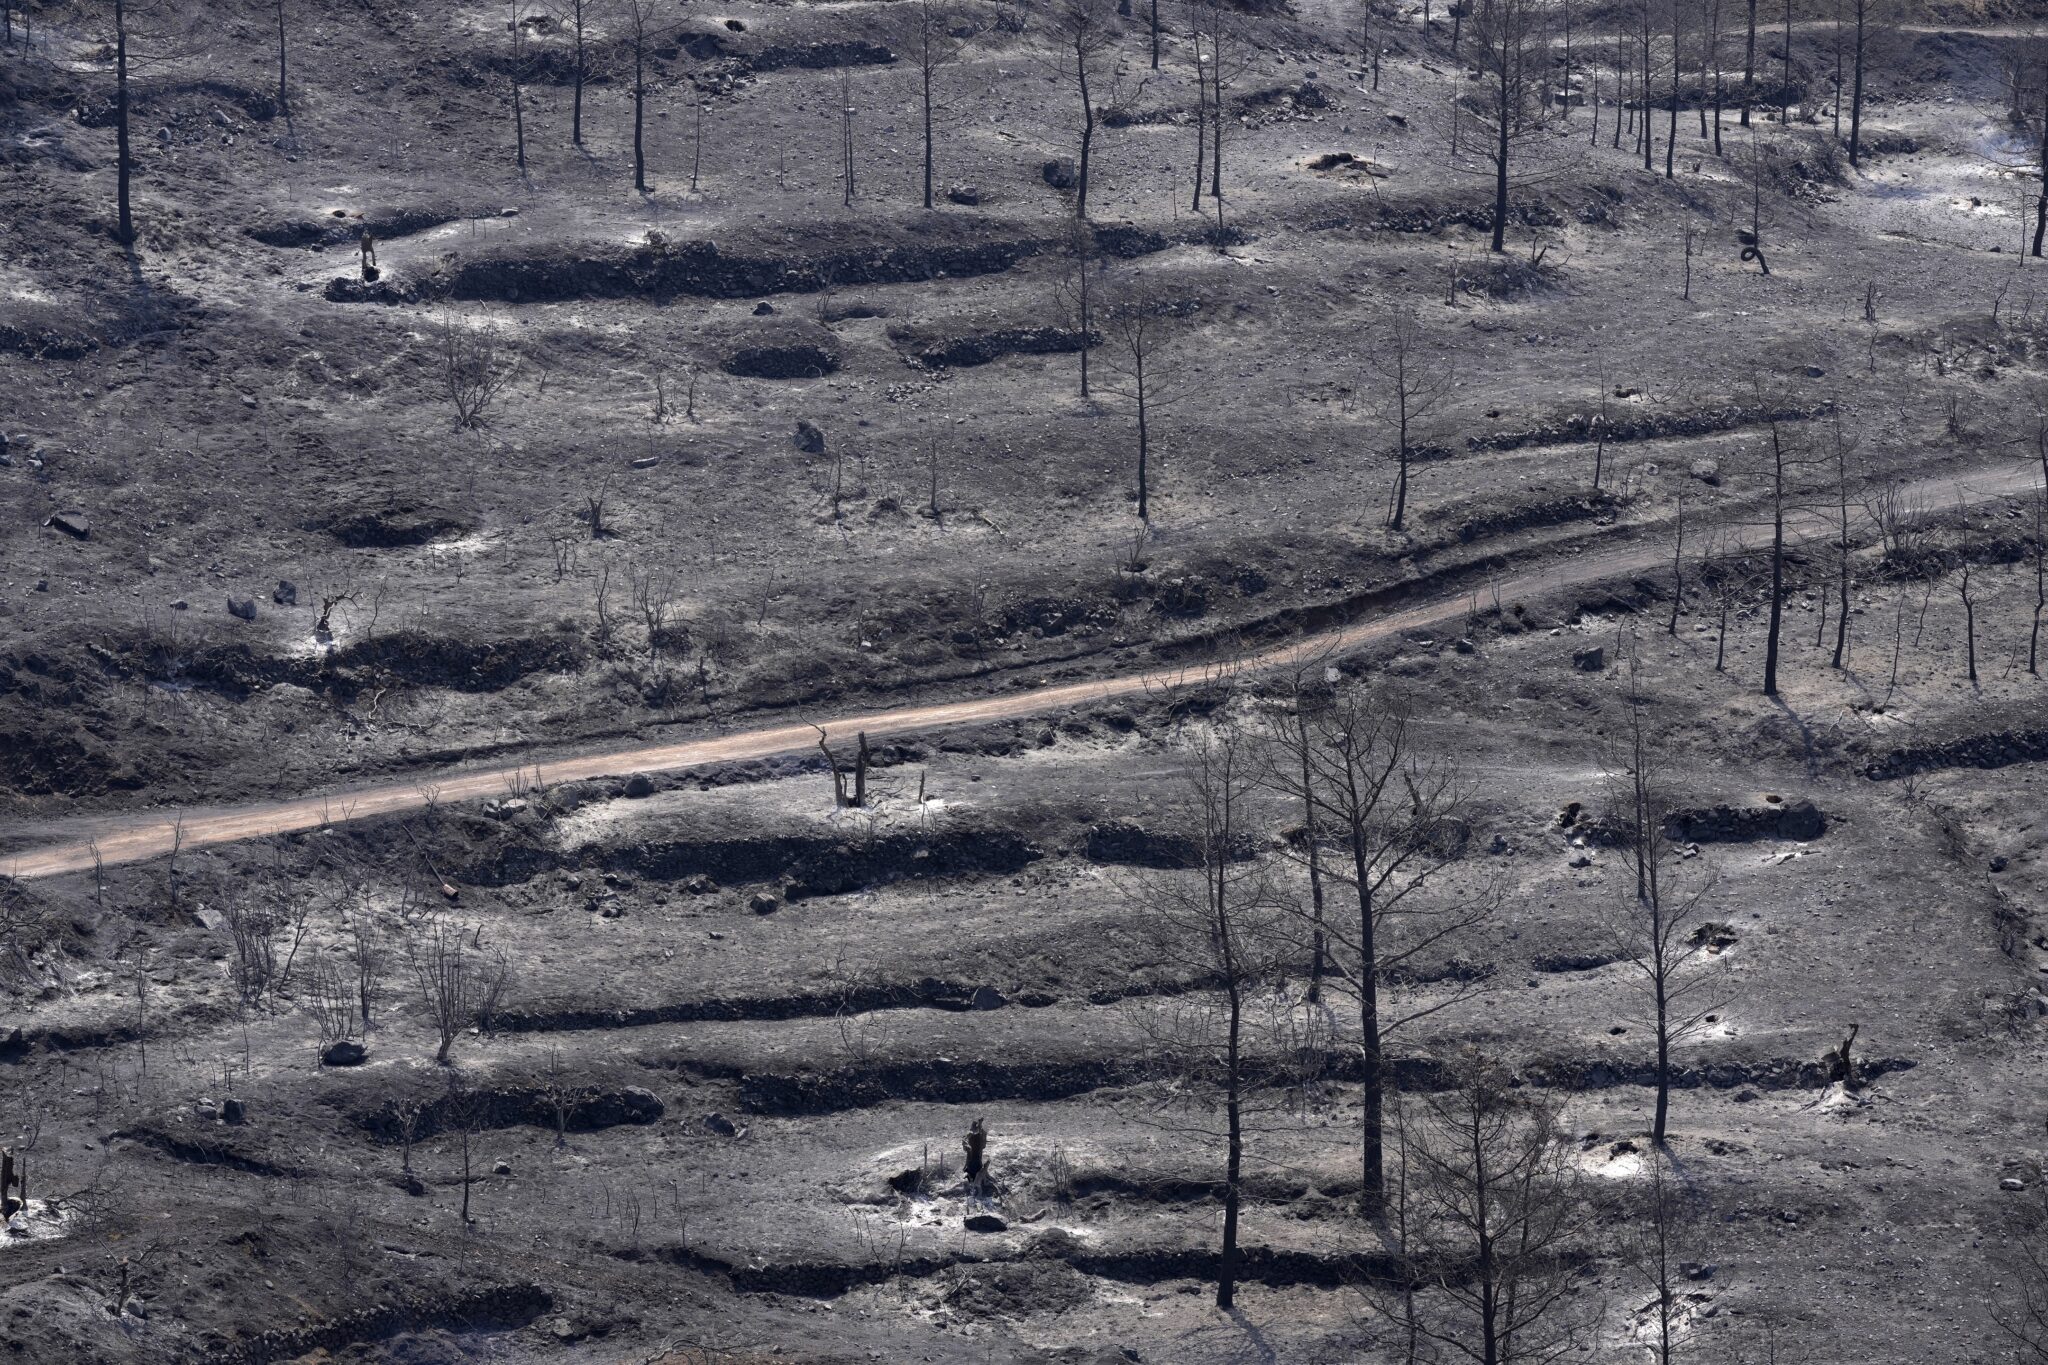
[(1180, 681)]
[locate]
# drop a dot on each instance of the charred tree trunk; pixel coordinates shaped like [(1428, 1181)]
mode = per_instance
[(1777, 563), (2041, 204), (1749, 66), (576, 99), (639, 115), (925, 89), (283, 96), (124, 232), (1856, 103), (1373, 1129), (1677, 70), (1087, 139)]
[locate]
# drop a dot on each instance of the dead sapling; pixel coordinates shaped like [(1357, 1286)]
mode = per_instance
[(473, 373), (842, 796), (1840, 1062), (593, 513), (1412, 383)]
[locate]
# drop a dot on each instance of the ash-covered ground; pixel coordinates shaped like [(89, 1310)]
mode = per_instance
[(685, 1062)]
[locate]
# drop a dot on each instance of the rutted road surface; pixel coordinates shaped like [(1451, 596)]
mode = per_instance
[(133, 838)]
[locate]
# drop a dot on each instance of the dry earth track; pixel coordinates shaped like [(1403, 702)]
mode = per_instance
[(73, 845)]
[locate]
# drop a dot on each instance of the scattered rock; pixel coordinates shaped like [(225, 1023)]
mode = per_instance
[(501, 1168), (1059, 173), (566, 1330), (964, 194), (2012, 1182), (244, 608), (233, 1111), (72, 524), (763, 903), (986, 998), (504, 808), (764, 309), (286, 593), (347, 1052), (1590, 660), (721, 1125), (1707, 472), (647, 462), (985, 1222), (639, 786), (1714, 936), (808, 438)]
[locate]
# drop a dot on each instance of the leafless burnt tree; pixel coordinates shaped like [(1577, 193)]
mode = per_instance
[(329, 999), (1662, 1237), (1413, 380), (1393, 819), (1658, 930), (1497, 1204), (1075, 289), (277, 9), (1505, 106), (577, 14), (847, 110), (1843, 445), (1229, 59), (1965, 583), (458, 984), (473, 373), (1749, 64), (1083, 34), (367, 956), (2022, 1313), (2040, 580), (1216, 922), (933, 48), (1137, 325), (124, 231), (515, 70), (640, 18), (1783, 467)]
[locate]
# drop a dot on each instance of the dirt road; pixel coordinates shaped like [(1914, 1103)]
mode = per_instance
[(132, 838)]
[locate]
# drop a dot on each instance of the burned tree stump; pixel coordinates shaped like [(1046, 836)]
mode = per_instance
[(1841, 1063), (975, 1145), (13, 1176)]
